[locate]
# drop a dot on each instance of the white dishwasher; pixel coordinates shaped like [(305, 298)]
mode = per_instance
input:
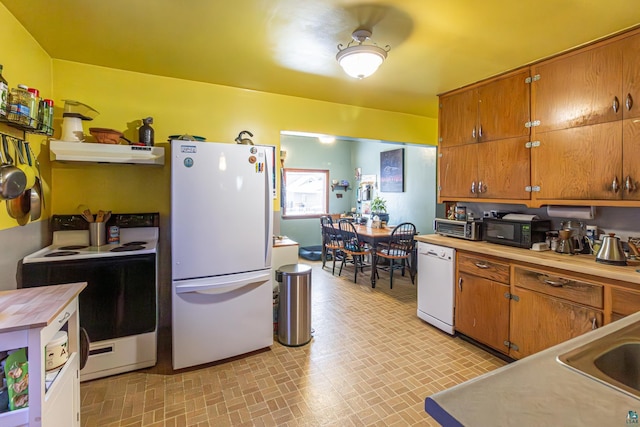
[(436, 285)]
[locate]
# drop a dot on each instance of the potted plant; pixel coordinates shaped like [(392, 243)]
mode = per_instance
[(379, 208)]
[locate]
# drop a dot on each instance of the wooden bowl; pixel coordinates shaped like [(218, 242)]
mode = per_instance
[(106, 136)]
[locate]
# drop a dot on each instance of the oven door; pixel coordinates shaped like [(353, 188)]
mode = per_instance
[(120, 297)]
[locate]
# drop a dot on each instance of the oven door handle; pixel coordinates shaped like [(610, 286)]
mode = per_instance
[(220, 285)]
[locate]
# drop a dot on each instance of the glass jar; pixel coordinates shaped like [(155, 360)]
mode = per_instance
[(46, 126), (19, 105), (34, 101), (4, 95)]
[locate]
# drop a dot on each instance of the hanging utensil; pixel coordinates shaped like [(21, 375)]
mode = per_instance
[(36, 201), (12, 180), (36, 191), (35, 161), (21, 163), (18, 208)]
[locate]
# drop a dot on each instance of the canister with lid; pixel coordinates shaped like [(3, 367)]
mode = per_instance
[(20, 105), (4, 95), (57, 351)]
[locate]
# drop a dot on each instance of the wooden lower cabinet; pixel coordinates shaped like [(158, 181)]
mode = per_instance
[(623, 303), (539, 321), (482, 310), (482, 303)]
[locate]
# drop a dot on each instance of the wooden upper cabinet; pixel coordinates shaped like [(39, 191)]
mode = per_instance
[(581, 163), (457, 170), (488, 170), (503, 108), (631, 159), (458, 118), (631, 76), (578, 89), (504, 169), (495, 110)]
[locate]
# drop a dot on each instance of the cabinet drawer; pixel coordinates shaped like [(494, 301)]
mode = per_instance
[(564, 287), (484, 267), (624, 302)]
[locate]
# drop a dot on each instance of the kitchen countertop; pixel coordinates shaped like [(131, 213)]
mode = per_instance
[(34, 307), (584, 264), (536, 391), (284, 241)]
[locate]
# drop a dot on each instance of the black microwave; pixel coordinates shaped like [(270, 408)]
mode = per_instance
[(521, 234)]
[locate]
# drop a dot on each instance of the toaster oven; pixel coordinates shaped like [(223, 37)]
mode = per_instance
[(469, 230)]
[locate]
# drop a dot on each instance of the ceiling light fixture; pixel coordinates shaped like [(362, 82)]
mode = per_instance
[(360, 60)]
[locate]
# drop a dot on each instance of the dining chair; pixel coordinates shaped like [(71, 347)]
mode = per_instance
[(399, 247), (352, 245), (330, 241)]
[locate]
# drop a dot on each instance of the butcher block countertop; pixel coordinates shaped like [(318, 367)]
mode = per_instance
[(35, 307), (584, 264)]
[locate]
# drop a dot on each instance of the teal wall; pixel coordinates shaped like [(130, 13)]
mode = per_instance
[(417, 204)]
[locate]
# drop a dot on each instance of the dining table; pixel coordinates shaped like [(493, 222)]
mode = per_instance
[(372, 236)]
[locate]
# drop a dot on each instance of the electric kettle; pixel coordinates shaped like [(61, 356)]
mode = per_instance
[(611, 251)]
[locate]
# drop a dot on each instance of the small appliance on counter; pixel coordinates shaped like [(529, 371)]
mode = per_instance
[(518, 230), (74, 114), (467, 229)]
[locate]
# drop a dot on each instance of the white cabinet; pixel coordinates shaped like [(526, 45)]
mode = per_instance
[(285, 252), (32, 317)]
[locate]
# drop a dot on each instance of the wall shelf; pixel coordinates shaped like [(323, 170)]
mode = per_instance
[(340, 187)]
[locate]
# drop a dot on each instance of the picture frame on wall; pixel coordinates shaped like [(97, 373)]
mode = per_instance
[(392, 171)]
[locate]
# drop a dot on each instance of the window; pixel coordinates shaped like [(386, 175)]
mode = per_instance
[(306, 193)]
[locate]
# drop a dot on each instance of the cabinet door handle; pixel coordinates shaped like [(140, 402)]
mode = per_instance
[(594, 323), (66, 316), (482, 265), (473, 133), (554, 283), (628, 184), (616, 104), (473, 187), (615, 185), (480, 131), (629, 102), (479, 187), (460, 284)]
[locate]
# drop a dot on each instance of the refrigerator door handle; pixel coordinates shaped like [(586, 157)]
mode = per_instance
[(268, 209), (221, 286)]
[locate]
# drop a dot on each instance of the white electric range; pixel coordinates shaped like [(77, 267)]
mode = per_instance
[(118, 308)]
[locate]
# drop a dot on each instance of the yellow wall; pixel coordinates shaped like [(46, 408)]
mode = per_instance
[(24, 62), (218, 113)]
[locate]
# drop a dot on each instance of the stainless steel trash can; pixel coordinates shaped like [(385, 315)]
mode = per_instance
[(294, 311)]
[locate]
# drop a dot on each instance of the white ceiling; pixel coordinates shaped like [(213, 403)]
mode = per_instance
[(289, 46)]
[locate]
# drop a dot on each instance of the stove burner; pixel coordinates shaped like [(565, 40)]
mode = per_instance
[(137, 243), (72, 247), (127, 248), (61, 253)]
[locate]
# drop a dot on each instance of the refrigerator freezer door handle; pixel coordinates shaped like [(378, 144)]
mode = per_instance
[(218, 288)]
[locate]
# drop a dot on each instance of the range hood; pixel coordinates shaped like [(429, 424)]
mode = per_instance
[(64, 151)]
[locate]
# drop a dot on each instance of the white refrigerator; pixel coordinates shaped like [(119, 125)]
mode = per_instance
[(221, 242)]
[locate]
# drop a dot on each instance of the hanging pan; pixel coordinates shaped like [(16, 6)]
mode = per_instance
[(36, 191), (12, 180)]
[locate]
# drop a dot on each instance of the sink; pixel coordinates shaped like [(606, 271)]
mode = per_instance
[(613, 359)]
